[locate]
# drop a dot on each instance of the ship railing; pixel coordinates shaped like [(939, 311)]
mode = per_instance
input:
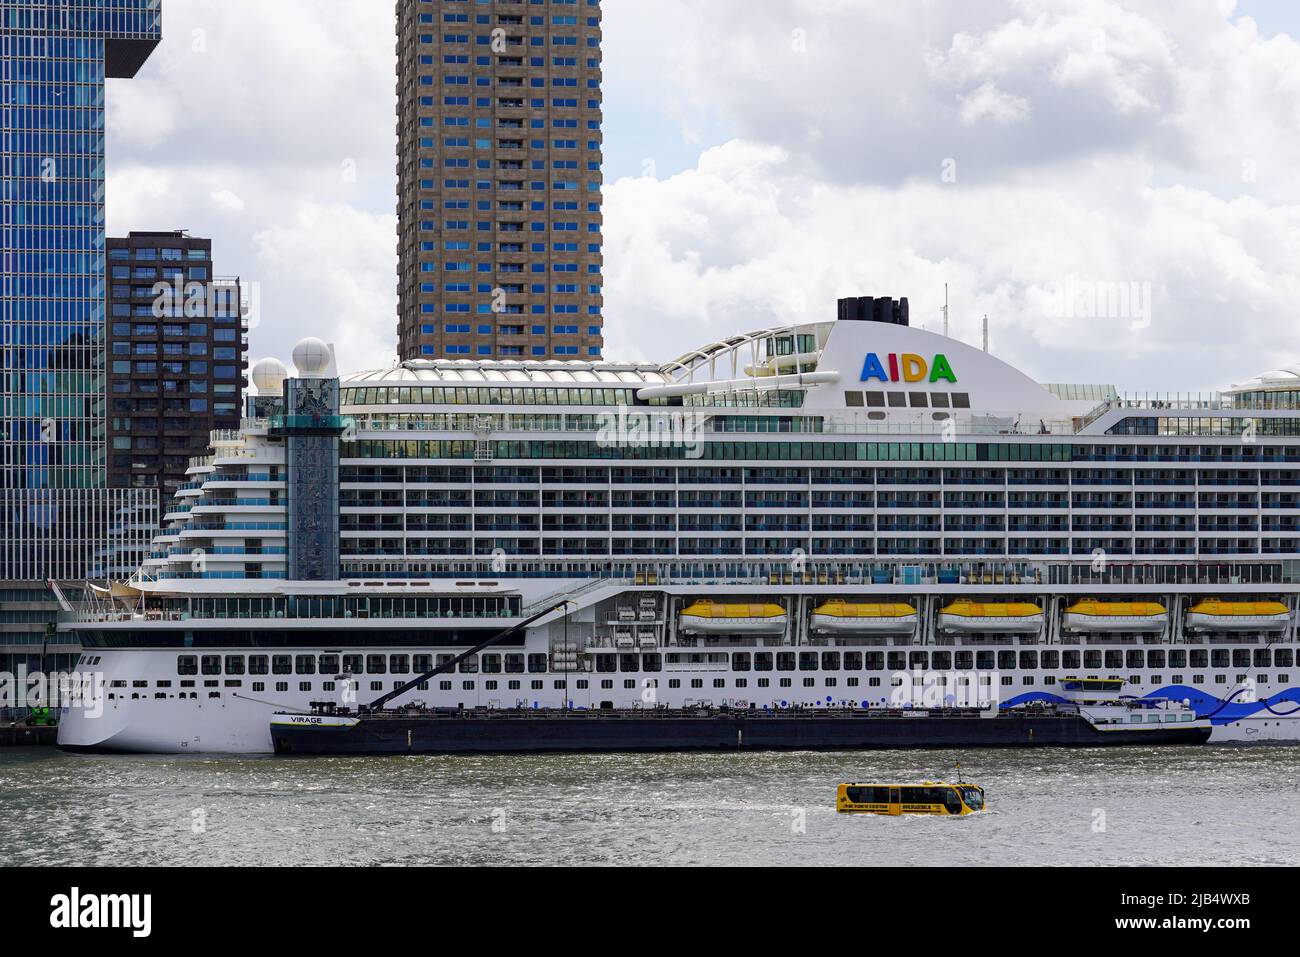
[(570, 593)]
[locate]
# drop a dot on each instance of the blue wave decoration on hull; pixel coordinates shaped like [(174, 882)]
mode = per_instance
[(1284, 704)]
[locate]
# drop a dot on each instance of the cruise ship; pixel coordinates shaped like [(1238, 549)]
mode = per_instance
[(852, 513)]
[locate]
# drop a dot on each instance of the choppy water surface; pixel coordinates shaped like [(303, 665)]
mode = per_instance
[(1130, 806)]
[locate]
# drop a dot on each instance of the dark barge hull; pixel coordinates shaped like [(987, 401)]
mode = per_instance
[(598, 732)]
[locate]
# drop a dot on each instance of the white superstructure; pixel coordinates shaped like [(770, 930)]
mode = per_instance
[(863, 463)]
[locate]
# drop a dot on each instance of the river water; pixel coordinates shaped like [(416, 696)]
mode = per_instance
[(1206, 806)]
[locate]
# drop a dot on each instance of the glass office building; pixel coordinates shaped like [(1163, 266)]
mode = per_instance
[(58, 518)]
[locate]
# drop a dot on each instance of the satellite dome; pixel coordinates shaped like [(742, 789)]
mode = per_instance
[(269, 375), (312, 358)]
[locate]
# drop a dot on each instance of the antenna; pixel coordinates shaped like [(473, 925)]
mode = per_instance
[(945, 309), (986, 332)]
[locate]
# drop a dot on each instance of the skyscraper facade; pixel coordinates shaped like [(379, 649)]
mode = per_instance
[(499, 169), (177, 357), (58, 517)]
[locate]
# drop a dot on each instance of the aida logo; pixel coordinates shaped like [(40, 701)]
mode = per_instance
[(907, 368)]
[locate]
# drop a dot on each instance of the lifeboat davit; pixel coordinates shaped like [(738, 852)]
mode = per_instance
[(716, 618), (1092, 615), (1004, 617), (840, 617), (1215, 615)]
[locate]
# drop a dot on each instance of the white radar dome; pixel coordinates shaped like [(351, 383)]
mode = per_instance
[(312, 358), (268, 376)]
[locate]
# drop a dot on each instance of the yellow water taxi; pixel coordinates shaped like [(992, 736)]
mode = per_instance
[(1003, 617), (841, 616), (717, 618), (1216, 615), (929, 797), (1093, 615)]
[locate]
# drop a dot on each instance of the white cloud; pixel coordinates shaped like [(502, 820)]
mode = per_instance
[(1095, 141), (225, 199)]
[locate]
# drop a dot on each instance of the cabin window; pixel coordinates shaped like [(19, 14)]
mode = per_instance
[(1070, 660), (329, 664), (874, 661), (897, 661), (918, 659), (868, 795), (281, 665), (305, 664), (763, 661), (400, 664), (514, 664), (353, 665), (259, 665), (741, 661), (469, 666), (211, 664), (1219, 658), (376, 665), (187, 665), (807, 661), (785, 661), (1199, 658), (1155, 659), (1133, 659), (606, 664), (1028, 660), (652, 663), (830, 661), (628, 663), (234, 664), (537, 665)]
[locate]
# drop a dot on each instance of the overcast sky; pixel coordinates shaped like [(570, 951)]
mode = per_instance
[(1052, 160)]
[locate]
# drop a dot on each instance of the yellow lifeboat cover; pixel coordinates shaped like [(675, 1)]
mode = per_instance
[(841, 609), (1117, 609), (1243, 609), (972, 609), (709, 609)]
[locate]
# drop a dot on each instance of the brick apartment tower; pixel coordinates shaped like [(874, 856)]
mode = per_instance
[(499, 179), (177, 361)]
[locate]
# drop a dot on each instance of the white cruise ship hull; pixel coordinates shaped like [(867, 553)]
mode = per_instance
[(238, 720)]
